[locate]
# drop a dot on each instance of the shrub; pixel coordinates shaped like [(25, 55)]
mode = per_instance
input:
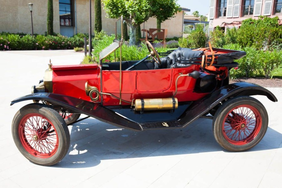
[(231, 36), (196, 39), (217, 38), (260, 33), (26, 42), (257, 63)]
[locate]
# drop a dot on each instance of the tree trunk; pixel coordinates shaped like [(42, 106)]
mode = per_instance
[(125, 33), (138, 34), (159, 24), (132, 36), (98, 20), (50, 30)]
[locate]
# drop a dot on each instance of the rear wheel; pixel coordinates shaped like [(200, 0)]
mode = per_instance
[(240, 123), (69, 118), (40, 134)]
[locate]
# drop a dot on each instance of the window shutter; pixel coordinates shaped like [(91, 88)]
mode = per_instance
[(236, 8), (267, 7), (258, 5), (212, 5), (229, 13)]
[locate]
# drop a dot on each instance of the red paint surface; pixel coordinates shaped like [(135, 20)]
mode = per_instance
[(155, 83)]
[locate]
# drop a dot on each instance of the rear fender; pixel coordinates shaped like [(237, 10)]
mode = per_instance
[(95, 110), (203, 106)]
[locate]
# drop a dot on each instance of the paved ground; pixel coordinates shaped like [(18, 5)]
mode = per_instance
[(103, 156)]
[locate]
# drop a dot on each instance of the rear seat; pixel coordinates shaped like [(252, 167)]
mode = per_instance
[(182, 57)]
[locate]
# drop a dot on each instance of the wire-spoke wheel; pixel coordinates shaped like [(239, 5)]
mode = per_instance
[(69, 118), (40, 134), (240, 123)]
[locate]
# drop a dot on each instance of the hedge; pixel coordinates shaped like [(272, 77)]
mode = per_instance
[(10, 41)]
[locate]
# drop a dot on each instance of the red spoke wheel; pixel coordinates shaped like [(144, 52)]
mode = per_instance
[(69, 118), (40, 134), (240, 123)]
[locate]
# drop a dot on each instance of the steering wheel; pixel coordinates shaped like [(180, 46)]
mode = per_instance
[(153, 53)]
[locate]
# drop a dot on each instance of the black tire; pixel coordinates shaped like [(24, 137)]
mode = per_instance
[(240, 123), (69, 118), (40, 134)]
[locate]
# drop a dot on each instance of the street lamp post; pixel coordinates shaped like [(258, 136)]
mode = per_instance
[(30, 8)]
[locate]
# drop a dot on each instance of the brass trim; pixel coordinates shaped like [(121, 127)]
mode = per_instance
[(48, 79), (155, 104), (90, 90), (176, 82), (120, 61)]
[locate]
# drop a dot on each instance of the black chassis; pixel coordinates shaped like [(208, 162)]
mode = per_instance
[(127, 118)]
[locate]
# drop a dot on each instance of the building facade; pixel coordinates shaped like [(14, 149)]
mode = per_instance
[(70, 17), (231, 13)]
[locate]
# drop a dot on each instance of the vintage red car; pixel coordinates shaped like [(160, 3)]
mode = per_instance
[(161, 93)]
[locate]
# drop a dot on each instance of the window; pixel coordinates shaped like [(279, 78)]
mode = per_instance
[(278, 7), (248, 7), (66, 13), (221, 10)]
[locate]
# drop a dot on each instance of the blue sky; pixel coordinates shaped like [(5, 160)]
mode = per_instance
[(200, 5)]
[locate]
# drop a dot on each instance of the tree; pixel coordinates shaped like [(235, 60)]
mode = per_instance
[(135, 12), (98, 20), (196, 14), (163, 9), (50, 30), (203, 18), (125, 33)]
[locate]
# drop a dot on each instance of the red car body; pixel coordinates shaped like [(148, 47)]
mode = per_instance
[(165, 93)]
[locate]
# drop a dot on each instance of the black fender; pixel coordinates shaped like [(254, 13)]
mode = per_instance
[(201, 107), (95, 110)]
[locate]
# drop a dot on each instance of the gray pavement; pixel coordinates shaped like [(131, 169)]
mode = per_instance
[(102, 155)]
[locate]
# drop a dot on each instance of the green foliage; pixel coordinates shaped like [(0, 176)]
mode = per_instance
[(87, 60), (78, 49), (100, 43), (196, 13), (26, 42), (217, 37), (135, 12), (163, 9), (100, 35), (196, 39), (257, 63), (231, 36), (261, 33), (98, 19), (128, 52), (50, 30)]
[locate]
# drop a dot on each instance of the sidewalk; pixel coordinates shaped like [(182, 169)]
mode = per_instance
[(102, 155)]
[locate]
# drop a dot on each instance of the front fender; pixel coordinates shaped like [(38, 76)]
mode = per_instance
[(95, 110)]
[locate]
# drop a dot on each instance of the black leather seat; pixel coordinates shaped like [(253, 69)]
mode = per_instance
[(182, 57)]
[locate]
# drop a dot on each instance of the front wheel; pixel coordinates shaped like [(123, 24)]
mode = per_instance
[(40, 134), (240, 123)]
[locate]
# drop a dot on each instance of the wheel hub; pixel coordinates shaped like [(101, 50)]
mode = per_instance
[(35, 138)]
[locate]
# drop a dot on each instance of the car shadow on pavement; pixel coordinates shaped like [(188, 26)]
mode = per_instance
[(93, 141)]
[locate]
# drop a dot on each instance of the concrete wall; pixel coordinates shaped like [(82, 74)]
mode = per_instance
[(173, 25), (15, 16)]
